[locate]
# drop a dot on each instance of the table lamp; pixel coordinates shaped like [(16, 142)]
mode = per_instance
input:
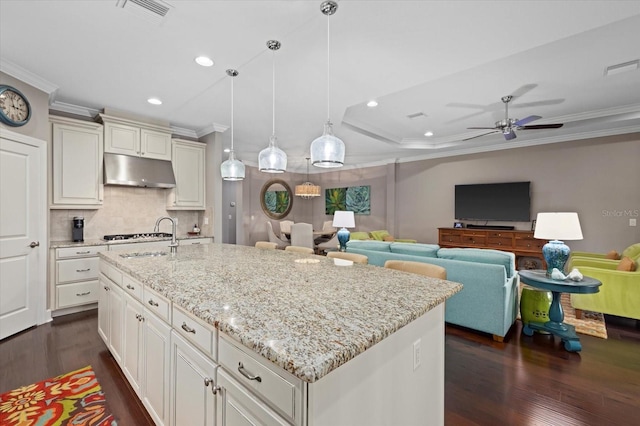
[(555, 227), (343, 220)]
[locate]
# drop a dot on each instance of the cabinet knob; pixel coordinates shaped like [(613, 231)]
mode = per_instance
[(214, 388)]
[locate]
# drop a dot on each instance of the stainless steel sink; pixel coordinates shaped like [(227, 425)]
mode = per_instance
[(143, 254)]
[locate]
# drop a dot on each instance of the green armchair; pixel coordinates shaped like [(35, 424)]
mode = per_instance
[(619, 293), (632, 252)]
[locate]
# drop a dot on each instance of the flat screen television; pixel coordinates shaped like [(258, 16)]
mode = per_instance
[(508, 201)]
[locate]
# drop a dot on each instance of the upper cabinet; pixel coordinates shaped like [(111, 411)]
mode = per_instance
[(188, 168), (128, 137), (77, 151)]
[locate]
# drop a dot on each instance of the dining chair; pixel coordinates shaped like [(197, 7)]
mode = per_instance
[(425, 269), (298, 249), (285, 229), (354, 257), (302, 235), (274, 238), (266, 245), (332, 244), (329, 231)]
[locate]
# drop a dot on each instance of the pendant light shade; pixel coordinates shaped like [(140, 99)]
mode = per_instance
[(328, 150), (307, 190), (232, 169), (272, 159)]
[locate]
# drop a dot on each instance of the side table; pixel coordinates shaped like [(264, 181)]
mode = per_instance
[(555, 325)]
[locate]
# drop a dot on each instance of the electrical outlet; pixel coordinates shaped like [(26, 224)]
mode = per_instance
[(416, 355), (206, 220), (175, 219), (632, 222)]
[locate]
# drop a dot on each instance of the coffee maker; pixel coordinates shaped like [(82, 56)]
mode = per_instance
[(77, 232)]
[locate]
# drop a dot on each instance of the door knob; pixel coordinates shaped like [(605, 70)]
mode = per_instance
[(34, 244)]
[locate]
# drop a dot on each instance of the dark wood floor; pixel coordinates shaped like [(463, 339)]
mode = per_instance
[(523, 381)]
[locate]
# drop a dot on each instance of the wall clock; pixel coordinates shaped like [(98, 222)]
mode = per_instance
[(14, 107)]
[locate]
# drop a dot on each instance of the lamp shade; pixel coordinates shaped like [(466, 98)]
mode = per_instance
[(307, 190), (232, 169), (272, 159), (344, 219), (558, 226), (327, 151)]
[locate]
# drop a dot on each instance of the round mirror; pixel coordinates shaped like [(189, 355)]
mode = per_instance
[(276, 199)]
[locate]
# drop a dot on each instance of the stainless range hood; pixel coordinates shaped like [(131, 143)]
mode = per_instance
[(137, 171)]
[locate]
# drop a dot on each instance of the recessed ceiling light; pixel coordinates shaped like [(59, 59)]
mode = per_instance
[(227, 150), (429, 133), (154, 101), (372, 104), (204, 61)]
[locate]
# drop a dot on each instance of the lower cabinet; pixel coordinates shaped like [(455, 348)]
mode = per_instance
[(238, 407), (132, 346), (193, 386), (110, 316), (156, 362)]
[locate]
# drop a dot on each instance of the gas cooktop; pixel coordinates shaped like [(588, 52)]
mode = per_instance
[(136, 236)]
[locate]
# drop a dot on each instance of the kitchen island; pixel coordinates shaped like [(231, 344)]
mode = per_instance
[(355, 344)]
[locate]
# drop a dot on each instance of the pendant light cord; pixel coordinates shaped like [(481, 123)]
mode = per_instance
[(232, 114), (274, 93), (328, 70)]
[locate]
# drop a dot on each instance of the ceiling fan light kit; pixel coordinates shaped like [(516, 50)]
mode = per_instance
[(328, 151), (508, 125), (232, 169), (272, 159)]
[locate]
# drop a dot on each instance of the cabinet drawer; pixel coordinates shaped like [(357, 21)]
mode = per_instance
[(157, 304), (112, 273), (530, 244), (191, 241), (76, 270), (473, 239), (133, 287), (273, 388), (77, 294), (499, 234), (503, 242), (87, 251), (195, 330), (450, 238)]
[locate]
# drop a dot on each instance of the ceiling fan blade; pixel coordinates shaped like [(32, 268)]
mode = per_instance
[(482, 128), (484, 134), (541, 126), (526, 120), (510, 135)]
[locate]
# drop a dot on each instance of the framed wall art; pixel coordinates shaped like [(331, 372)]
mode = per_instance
[(354, 198)]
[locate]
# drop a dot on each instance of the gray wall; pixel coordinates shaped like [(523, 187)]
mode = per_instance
[(598, 178)]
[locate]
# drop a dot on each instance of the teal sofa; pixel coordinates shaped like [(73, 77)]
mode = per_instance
[(488, 301)]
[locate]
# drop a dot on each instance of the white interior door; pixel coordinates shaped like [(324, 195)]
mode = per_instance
[(23, 242)]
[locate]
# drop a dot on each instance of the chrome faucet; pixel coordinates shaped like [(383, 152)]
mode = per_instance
[(174, 244)]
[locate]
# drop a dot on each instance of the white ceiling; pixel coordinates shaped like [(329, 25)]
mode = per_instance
[(450, 60)]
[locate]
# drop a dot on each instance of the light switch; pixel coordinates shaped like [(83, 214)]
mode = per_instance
[(632, 222)]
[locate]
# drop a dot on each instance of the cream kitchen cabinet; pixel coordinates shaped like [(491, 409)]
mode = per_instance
[(76, 154), (132, 343), (193, 386), (188, 159), (124, 136), (111, 310), (75, 276)]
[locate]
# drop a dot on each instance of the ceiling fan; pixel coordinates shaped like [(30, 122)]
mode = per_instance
[(508, 125)]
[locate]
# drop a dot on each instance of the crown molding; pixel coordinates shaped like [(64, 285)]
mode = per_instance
[(74, 109), (28, 77), (213, 127)]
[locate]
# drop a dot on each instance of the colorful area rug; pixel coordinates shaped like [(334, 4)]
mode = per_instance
[(70, 399), (591, 323)]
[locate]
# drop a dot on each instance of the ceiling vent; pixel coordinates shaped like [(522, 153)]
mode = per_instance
[(151, 10), (620, 68), (417, 115)]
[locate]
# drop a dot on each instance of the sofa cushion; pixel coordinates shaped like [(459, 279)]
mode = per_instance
[(626, 264), (613, 255), (496, 257), (369, 245), (359, 235), (388, 238), (632, 252), (415, 249), (379, 235)]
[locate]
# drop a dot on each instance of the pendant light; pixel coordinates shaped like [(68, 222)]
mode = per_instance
[(232, 169), (272, 159), (327, 151), (307, 190)]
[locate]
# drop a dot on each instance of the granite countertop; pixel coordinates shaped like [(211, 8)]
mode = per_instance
[(307, 318), (100, 242)]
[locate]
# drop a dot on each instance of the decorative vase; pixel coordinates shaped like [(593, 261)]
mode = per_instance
[(534, 305)]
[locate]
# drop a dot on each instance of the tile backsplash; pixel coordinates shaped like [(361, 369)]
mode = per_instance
[(126, 210)]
